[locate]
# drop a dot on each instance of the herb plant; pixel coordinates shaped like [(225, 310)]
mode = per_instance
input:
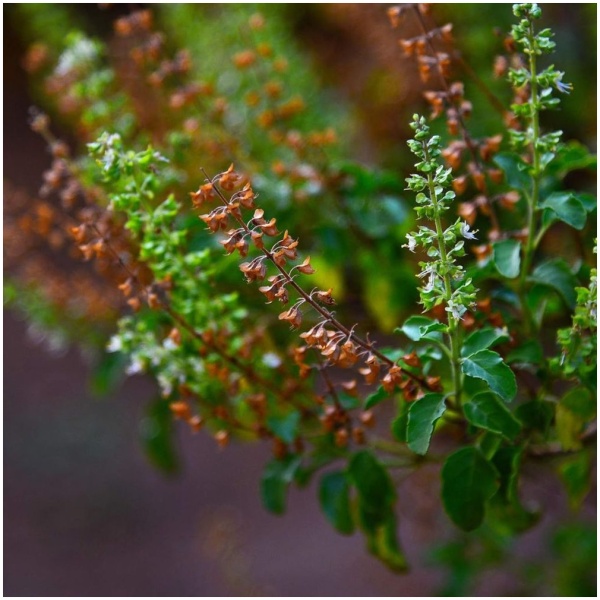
[(496, 365)]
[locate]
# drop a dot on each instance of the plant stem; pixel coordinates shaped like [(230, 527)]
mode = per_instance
[(320, 309), (453, 329), (533, 197)]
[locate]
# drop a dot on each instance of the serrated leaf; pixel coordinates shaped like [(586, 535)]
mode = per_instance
[(275, 480), (572, 156), (468, 482), (557, 275), (422, 417), (334, 496), (375, 398), (567, 208), (515, 169), (487, 411), (483, 339), (417, 328), (488, 365), (285, 427), (506, 256)]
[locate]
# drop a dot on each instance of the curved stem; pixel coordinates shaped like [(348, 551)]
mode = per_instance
[(320, 309)]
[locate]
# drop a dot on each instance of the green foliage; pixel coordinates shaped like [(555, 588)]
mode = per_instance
[(334, 495), (156, 434), (478, 371), (468, 482), (422, 416)]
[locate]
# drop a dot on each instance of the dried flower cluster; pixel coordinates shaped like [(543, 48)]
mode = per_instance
[(337, 344)]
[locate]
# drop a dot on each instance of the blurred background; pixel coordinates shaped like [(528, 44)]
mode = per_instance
[(85, 513)]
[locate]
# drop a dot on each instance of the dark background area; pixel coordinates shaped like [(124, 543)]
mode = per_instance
[(85, 513)]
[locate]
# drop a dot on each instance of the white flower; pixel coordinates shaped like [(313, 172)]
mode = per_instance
[(466, 232), (136, 366), (431, 283), (412, 243), (270, 359), (456, 310), (115, 344), (169, 344)]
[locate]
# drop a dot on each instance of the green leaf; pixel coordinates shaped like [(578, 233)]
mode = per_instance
[(483, 339), (571, 157), (537, 299), (108, 373), (507, 257), (489, 443), (275, 480), (575, 472), (588, 201), (568, 428), (156, 434), (506, 503), (557, 275), (417, 328), (515, 169), (375, 398), (375, 489), (468, 482), (348, 402), (580, 402), (486, 411), (400, 423), (529, 352), (536, 414), (566, 207), (285, 427), (422, 416), (334, 496), (576, 408), (488, 365), (382, 542), (376, 498)]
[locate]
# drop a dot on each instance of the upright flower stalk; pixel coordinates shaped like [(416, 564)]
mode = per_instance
[(541, 148), (445, 279)]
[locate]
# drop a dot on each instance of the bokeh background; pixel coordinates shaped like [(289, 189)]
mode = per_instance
[(84, 511)]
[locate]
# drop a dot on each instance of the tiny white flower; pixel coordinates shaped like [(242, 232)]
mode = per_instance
[(115, 344), (169, 344), (431, 283), (136, 366), (412, 243), (270, 359), (166, 385), (456, 310), (466, 232)]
